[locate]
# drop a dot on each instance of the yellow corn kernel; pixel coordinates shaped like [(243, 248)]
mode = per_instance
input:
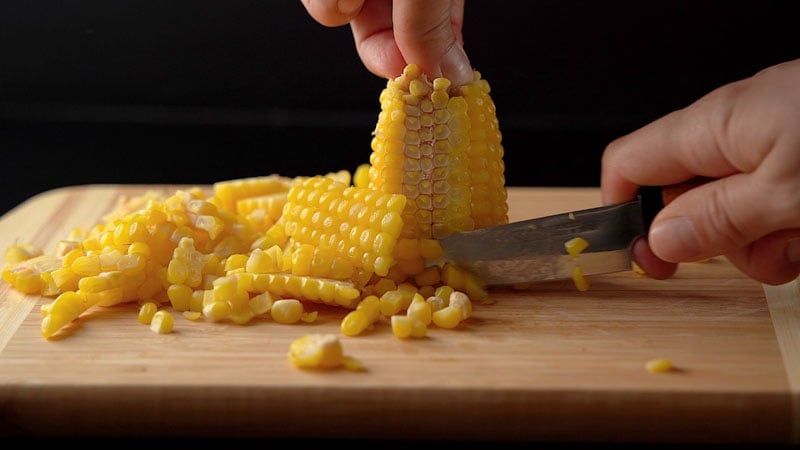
[(316, 351), (86, 266), (383, 285), (287, 310), (260, 261), (391, 302), (428, 277), (261, 303), (355, 322), (236, 261), (64, 309), (309, 317), (436, 302), (419, 309), (146, 312), (192, 315), (21, 252), (461, 300), (162, 322), (371, 305), (227, 193), (361, 176), (217, 310), (576, 245), (444, 291), (637, 268), (659, 365), (401, 326), (581, 282), (407, 326), (448, 317), (180, 296)]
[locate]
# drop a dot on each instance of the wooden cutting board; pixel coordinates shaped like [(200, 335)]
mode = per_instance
[(548, 364)]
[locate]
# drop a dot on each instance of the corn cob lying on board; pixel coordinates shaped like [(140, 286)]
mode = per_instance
[(355, 240)]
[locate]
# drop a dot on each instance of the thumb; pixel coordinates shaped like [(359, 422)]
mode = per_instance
[(428, 34), (714, 219)]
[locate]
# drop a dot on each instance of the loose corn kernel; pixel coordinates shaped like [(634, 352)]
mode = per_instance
[(659, 365), (408, 326), (461, 300), (581, 282), (162, 322), (391, 303), (146, 312), (261, 303), (575, 246), (21, 252), (355, 322), (180, 296), (420, 310), (309, 317), (192, 315), (371, 306), (637, 268), (286, 311), (447, 317), (316, 351)]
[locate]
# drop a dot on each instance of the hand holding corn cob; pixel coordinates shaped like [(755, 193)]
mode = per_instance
[(390, 35)]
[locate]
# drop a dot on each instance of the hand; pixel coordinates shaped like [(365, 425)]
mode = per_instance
[(744, 135), (389, 35)]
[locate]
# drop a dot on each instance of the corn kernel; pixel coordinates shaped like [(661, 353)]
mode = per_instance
[(146, 312), (576, 245), (316, 351), (447, 317), (659, 365), (162, 322), (286, 311)]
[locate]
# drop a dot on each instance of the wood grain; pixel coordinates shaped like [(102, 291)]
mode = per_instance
[(547, 363)]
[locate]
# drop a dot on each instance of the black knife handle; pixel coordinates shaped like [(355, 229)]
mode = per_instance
[(654, 198)]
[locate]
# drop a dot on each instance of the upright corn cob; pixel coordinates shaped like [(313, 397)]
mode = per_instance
[(441, 149)]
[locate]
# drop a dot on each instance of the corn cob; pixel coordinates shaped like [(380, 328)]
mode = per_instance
[(443, 152)]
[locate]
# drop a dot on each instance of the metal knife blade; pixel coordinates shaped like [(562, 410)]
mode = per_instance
[(534, 250)]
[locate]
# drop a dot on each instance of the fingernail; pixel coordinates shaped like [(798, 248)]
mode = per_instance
[(348, 7), (793, 250), (675, 240), (456, 66)]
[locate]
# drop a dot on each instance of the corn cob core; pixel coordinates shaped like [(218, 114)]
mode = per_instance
[(442, 151)]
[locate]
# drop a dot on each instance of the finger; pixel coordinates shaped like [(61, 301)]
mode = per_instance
[(428, 33), (652, 265), (375, 41), (773, 259), (720, 216), (333, 13), (681, 145)]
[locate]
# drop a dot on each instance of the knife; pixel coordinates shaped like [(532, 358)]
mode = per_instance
[(534, 250)]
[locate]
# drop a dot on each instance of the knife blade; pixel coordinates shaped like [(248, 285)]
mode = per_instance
[(534, 250)]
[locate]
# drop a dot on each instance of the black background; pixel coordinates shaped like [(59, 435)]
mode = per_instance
[(97, 91)]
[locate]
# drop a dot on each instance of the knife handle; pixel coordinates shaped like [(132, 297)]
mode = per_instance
[(654, 198)]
